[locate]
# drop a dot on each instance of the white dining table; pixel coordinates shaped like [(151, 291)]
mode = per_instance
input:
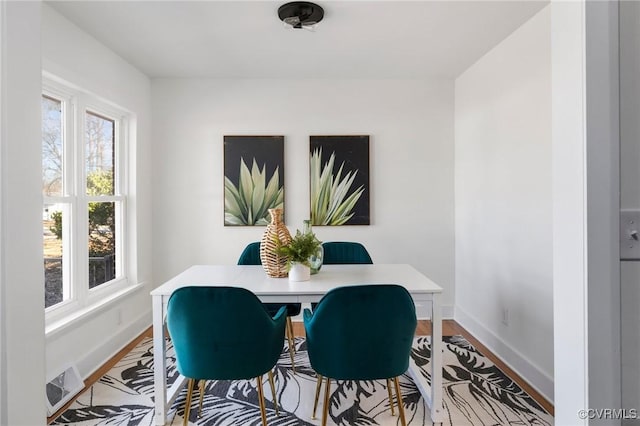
[(423, 291)]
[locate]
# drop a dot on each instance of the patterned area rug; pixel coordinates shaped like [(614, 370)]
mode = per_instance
[(476, 392)]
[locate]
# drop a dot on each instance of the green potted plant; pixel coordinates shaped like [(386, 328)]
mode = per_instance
[(298, 252)]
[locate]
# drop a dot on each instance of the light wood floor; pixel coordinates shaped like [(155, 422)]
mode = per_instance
[(449, 328)]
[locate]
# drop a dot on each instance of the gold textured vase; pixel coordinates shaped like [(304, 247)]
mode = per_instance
[(274, 264)]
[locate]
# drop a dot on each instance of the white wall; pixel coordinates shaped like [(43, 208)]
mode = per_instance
[(3, 337), (585, 134), (603, 203), (571, 381), (73, 55), (22, 293), (411, 161), (630, 196), (503, 217)]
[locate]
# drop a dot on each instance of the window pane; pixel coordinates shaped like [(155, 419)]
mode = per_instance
[(102, 243), (100, 154), (53, 266), (52, 148)]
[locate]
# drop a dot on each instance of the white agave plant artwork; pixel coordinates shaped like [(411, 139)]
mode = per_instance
[(249, 193), (250, 201), (339, 194)]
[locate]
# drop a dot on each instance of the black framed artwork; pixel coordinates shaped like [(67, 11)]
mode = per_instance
[(253, 179), (339, 180)]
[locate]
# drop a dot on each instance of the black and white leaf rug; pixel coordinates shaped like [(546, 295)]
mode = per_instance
[(475, 392)]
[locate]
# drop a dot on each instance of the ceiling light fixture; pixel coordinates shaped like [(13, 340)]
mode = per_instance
[(301, 14)]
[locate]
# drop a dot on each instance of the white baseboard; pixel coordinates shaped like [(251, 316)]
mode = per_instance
[(112, 345), (448, 312), (538, 379)]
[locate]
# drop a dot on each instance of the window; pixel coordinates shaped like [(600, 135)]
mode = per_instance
[(84, 198)]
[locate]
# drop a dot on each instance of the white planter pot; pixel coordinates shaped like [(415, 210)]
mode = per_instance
[(299, 272)]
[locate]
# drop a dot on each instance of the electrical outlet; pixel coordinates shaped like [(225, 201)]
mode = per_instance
[(119, 317), (505, 316)]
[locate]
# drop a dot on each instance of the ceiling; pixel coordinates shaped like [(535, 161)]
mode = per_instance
[(245, 39)]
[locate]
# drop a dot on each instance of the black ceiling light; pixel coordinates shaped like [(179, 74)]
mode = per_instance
[(301, 14)]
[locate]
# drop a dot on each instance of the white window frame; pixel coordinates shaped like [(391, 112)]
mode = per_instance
[(75, 104)]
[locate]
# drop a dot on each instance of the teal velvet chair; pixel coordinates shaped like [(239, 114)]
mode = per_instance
[(361, 332), (251, 256), (344, 253), (215, 330)]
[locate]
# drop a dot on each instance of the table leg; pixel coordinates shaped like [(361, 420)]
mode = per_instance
[(432, 394), (437, 411), (159, 361)]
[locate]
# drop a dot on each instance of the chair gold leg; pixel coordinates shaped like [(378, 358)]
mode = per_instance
[(291, 346), (263, 413), (315, 401), (390, 397), (400, 404), (187, 404), (325, 411), (201, 389), (291, 335), (273, 392)]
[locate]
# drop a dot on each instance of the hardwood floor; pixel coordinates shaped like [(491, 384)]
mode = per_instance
[(449, 328)]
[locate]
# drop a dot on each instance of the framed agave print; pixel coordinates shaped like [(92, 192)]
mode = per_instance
[(253, 179), (339, 178)]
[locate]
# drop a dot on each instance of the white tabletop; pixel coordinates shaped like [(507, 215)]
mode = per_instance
[(255, 279)]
